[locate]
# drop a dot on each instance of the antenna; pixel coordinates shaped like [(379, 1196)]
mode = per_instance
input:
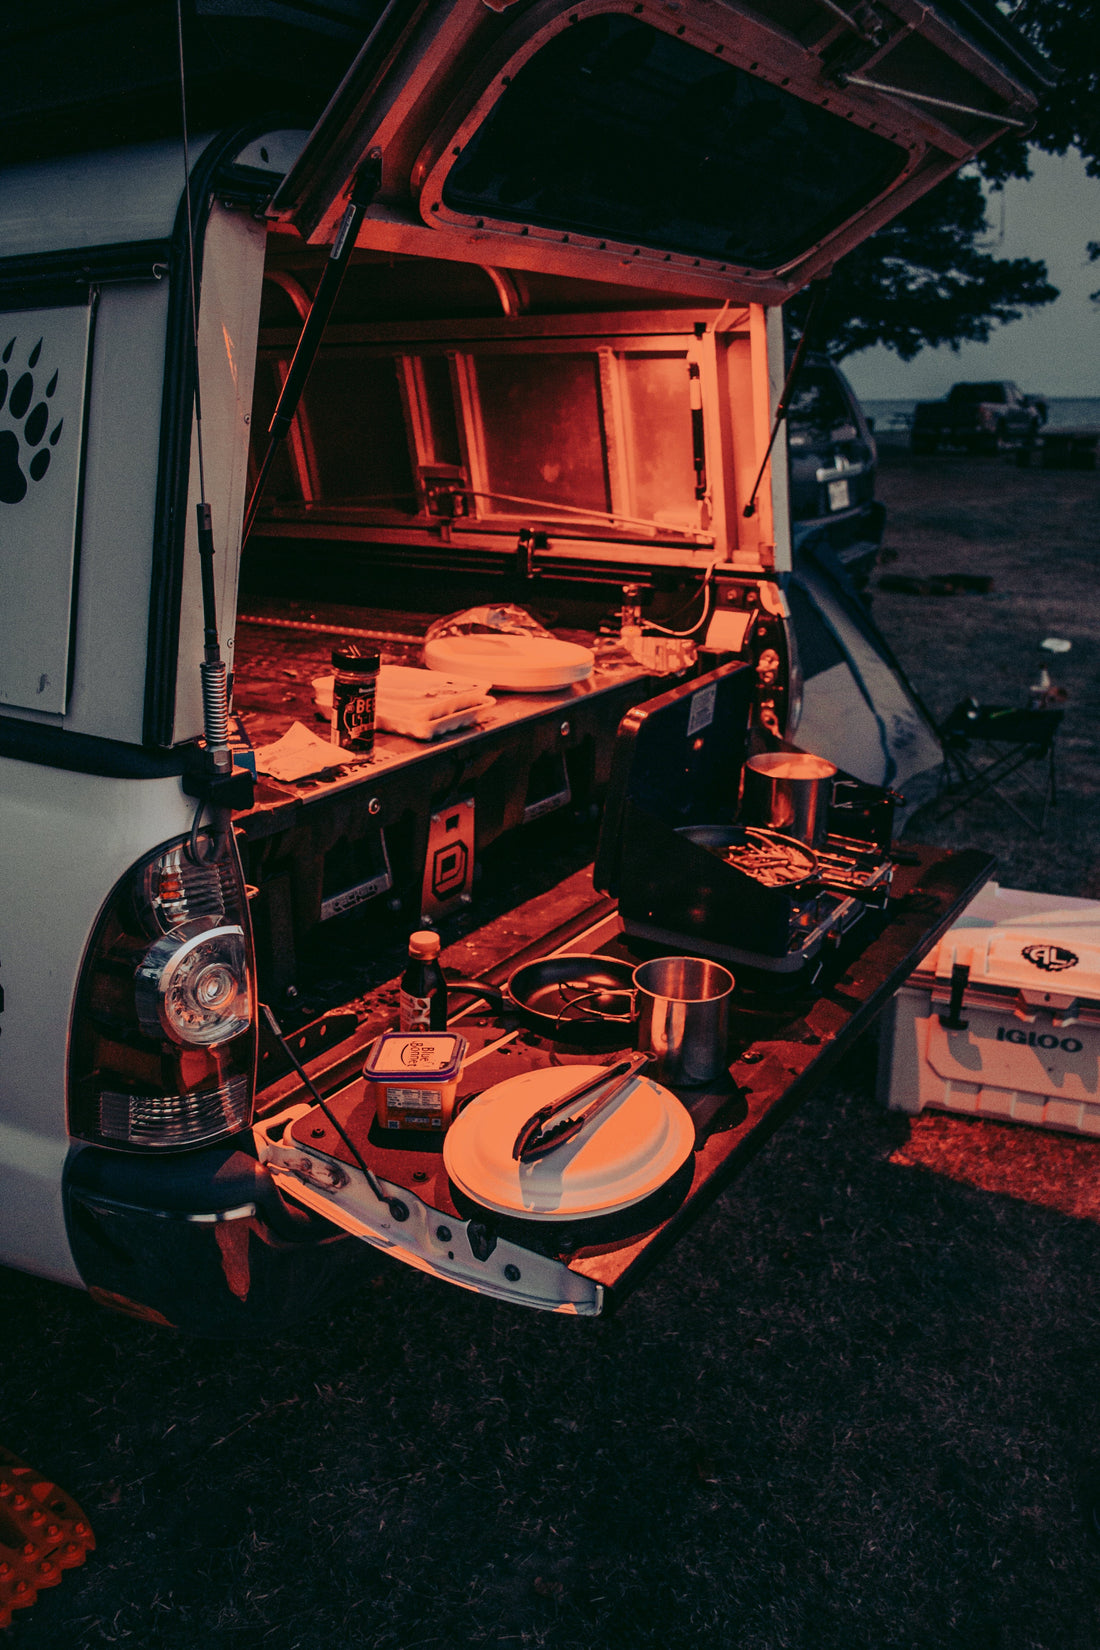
[(215, 684)]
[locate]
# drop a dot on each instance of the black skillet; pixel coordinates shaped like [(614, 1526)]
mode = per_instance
[(573, 998)]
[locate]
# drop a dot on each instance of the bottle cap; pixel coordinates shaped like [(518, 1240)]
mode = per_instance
[(357, 656), (425, 944)]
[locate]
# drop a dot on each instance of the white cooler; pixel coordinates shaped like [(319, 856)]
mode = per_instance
[(1002, 1019)]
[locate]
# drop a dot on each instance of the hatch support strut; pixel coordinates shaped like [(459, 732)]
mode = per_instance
[(817, 293), (368, 181)]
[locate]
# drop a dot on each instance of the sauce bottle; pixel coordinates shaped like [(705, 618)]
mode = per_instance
[(630, 620), (423, 995)]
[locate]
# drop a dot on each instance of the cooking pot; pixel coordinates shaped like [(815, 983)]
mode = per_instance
[(789, 791)]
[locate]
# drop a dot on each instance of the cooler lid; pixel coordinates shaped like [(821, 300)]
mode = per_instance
[(1051, 969), (705, 147)]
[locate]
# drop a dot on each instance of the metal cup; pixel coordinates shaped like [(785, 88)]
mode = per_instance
[(789, 791), (683, 1017)]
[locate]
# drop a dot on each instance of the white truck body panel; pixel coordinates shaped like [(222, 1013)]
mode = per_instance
[(68, 838)]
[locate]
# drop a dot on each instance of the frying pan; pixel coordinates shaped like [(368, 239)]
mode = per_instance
[(572, 997)]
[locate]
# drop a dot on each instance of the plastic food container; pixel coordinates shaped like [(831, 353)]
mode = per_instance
[(412, 1077), (421, 704)]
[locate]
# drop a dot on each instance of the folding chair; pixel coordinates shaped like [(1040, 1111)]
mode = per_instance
[(1007, 739)]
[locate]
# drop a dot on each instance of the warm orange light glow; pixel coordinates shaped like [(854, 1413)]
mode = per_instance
[(1053, 1171)]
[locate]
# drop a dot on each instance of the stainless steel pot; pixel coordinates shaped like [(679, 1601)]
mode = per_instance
[(789, 791), (683, 1006)]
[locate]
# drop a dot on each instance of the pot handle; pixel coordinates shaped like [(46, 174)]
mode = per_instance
[(493, 994), (561, 1018)]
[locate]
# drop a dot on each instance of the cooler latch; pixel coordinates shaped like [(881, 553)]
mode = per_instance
[(1062, 1008), (960, 979)]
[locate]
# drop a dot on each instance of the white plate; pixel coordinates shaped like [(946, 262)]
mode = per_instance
[(523, 664), (620, 1157)]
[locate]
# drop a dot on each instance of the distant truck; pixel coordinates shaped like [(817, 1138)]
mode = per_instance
[(981, 417)]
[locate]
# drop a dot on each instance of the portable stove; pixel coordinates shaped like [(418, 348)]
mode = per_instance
[(743, 894)]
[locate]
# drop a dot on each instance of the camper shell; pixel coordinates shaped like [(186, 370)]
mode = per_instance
[(552, 371)]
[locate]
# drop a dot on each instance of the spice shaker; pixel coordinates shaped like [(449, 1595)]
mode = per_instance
[(353, 695)]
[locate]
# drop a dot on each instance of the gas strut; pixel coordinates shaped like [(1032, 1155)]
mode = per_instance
[(368, 181), (817, 294), (219, 785)]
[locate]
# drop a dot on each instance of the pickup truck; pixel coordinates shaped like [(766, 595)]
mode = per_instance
[(982, 417), (560, 234)]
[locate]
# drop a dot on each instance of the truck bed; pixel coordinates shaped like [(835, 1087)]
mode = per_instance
[(344, 863)]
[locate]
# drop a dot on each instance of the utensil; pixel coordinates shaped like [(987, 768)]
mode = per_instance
[(558, 1121), (771, 859), (789, 791), (683, 1016)]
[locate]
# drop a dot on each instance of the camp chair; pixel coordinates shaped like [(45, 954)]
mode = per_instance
[(984, 745)]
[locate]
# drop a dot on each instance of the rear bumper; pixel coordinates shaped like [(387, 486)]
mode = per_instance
[(203, 1241)]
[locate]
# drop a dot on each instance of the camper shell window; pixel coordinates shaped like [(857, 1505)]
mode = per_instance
[(594, 434), (616, 129)]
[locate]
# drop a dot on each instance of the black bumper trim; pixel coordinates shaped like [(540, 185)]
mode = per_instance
[(203, 1241)]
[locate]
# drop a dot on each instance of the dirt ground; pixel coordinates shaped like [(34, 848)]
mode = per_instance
[(857, 1407)]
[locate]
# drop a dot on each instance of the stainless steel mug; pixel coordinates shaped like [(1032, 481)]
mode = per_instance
[(789, 791), (683, 1008)]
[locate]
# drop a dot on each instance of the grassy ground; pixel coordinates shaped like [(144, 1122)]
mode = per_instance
[(858, 1406), (1037, 534)]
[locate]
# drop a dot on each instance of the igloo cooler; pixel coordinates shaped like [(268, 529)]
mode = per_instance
[(1002, 1018)]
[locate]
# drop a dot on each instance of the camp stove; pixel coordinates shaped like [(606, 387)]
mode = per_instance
[(821, 894), (744, 894), (851, 880)]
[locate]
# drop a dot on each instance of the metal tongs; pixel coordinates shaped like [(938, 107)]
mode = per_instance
[(561, 1119)]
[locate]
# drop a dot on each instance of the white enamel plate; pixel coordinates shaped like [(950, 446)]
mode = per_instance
[(621, 1156)]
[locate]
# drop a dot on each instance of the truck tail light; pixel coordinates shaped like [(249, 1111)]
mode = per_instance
[(164, 1032)]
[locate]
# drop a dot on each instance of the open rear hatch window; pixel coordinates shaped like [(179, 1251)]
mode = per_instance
[(731, 150), (615, 128)]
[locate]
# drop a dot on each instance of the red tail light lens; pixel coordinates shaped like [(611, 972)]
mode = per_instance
[(164, 1035)]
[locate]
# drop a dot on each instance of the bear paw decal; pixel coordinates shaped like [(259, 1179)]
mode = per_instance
[(29, 411)]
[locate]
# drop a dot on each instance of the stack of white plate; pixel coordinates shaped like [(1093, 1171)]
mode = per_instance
[(519, 664)]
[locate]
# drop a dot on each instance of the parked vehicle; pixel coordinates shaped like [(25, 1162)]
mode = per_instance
[(833, 463), (560, 237), (982, 417)]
